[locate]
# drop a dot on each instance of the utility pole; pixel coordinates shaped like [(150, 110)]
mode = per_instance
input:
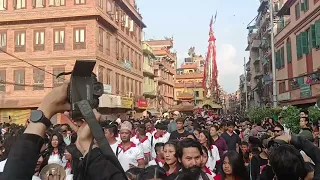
[(245, 81), (273, 61)]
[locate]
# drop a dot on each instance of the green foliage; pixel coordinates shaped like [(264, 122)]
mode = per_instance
[(314, 114), (258, 114), (290, 117)]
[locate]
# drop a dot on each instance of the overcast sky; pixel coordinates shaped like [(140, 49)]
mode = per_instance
[(188, 22)]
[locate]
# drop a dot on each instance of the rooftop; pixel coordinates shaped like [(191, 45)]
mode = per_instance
[(189, 66)]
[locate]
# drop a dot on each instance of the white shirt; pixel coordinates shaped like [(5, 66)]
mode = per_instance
[(212, 159), (2, 164), (114, 146), (35, 177), (154, 140), (145, 145), (129, 156), (134, 139), (153, 162), (55, 159)]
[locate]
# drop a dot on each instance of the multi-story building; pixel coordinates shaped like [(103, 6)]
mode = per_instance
[(164, 70), (149, 84), (52, 34), (259, 40), (297, 44)]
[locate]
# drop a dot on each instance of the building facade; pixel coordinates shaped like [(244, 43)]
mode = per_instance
[(164, 70), (149, 83), (259, 71), (53, 34), (297, 44)]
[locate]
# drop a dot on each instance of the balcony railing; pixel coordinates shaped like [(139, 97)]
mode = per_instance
[(166, 65), (189, 85), (148, 69)]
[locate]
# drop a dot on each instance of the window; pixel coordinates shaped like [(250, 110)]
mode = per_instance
[(20, 41), (58, 39), (282, 87), (3, 5), (127, 53), (39, 40), (19, 79), (108, 76), (100, 74), (128, 85), (19, 4), (57, 3), (117, 48), (122, 51), (58, 81), (315, 34), (38, 79), (3, 40), (132, 84), (140, 88), (38, 3), (197, 93), (300, 81), (289, 53), (117, 83), (122, 84), (80, 2), (299, 46), (101, 4), (2, 80), (304, 5), (108, 43), (101, 39), (139, 62), (110, 7), (79, 38), (305, 42), (137, 89), (297, 9)]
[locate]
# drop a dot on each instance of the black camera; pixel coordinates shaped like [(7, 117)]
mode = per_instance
[(83, 85)]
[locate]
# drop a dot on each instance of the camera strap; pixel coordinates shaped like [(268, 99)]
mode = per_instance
[(97, 133)]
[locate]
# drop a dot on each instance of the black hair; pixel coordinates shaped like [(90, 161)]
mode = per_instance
[(205, 149), (215, 127), (244, 143), (133, 173), (279, 126), (187, 143), (73, 138), (7, 144), (61, 145), (76, 155), (304, 111), (153, 172), (142, 129), (305, 118), (160, 126), (287, 162), (237, 164), (157, 146), (173, 144), (230, 123), (209, 140), (180, 120), (111, 126)]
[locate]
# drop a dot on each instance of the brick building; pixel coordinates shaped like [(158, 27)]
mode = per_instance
[(53, 34), (164, 70), (297, 43)]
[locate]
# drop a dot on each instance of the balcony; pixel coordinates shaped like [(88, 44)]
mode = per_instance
[(148, 70), (258, 75), (149, 90), (188, 85), (162, 80), (256, 60), (190, 76), (255, 44), (147, 48), (185, 95), (163, 64), (164, 52)]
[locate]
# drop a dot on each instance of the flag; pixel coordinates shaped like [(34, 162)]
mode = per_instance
[(215, 17)]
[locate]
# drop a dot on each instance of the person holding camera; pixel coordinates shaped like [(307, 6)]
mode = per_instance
[(25, 152)]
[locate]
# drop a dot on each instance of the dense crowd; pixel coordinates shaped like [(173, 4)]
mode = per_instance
[(184, 147)]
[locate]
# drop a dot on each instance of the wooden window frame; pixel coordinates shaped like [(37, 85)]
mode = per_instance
[(19, 86), (58, 81), (38, 85), (20, 48), (34, 4), (100, 74), (52, 3), (59, 46), (3, 80), (117, 48), (108, 76), (80, 3), (6, 40), (297, 13), (100, 39), (39, 47), (15, 4), (117, 83), (79, 45), (108, 43), (100, 3), (5, 5)]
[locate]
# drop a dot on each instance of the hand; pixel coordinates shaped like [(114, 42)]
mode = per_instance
[(85, 136), (56, 101)]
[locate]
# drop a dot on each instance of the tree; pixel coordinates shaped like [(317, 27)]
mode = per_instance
[(258, 114), (290, 116)]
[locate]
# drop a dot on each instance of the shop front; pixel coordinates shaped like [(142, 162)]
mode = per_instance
[(140, 106), (17, 116)]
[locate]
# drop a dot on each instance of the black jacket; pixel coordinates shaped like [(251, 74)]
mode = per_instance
[(24, 154)]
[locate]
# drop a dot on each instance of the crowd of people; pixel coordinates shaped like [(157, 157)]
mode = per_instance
[(184, 147)]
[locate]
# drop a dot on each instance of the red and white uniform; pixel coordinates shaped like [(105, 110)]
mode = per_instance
[(156, 161), (151, 133), (213, 157), (134, 139), (145, 145), (129, 156), (118, 138), (209, 173), (154, 139)]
